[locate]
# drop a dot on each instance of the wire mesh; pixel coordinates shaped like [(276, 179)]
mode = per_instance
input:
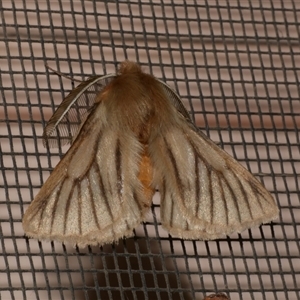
[(235, 65)]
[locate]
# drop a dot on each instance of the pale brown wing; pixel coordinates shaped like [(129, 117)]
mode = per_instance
[(98, 192), (205, 193)]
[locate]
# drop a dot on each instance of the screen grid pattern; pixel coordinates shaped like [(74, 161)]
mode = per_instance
[(236, 66)]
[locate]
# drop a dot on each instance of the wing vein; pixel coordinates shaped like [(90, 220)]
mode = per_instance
[(223, 196), (245, 194), (67, 208), (103, 191), (79, 207), (55, 204), (92, 199), (197, 182), (176, 169), (233, 196), (118, 159), (210, 196)]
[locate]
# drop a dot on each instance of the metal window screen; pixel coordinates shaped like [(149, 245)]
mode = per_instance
[(236, 65)]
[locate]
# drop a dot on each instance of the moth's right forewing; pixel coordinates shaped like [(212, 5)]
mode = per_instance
[(206, 194)]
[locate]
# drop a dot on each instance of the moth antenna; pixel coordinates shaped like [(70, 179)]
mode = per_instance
[(61, 74)]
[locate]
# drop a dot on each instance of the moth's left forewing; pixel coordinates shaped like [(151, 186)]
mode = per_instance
[(100, 190), (94, 195)]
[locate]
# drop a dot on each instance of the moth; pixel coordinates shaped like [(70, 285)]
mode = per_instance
[(135, 136)]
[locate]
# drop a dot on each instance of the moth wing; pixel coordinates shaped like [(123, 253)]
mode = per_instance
[(205, 193), (94, 195)]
